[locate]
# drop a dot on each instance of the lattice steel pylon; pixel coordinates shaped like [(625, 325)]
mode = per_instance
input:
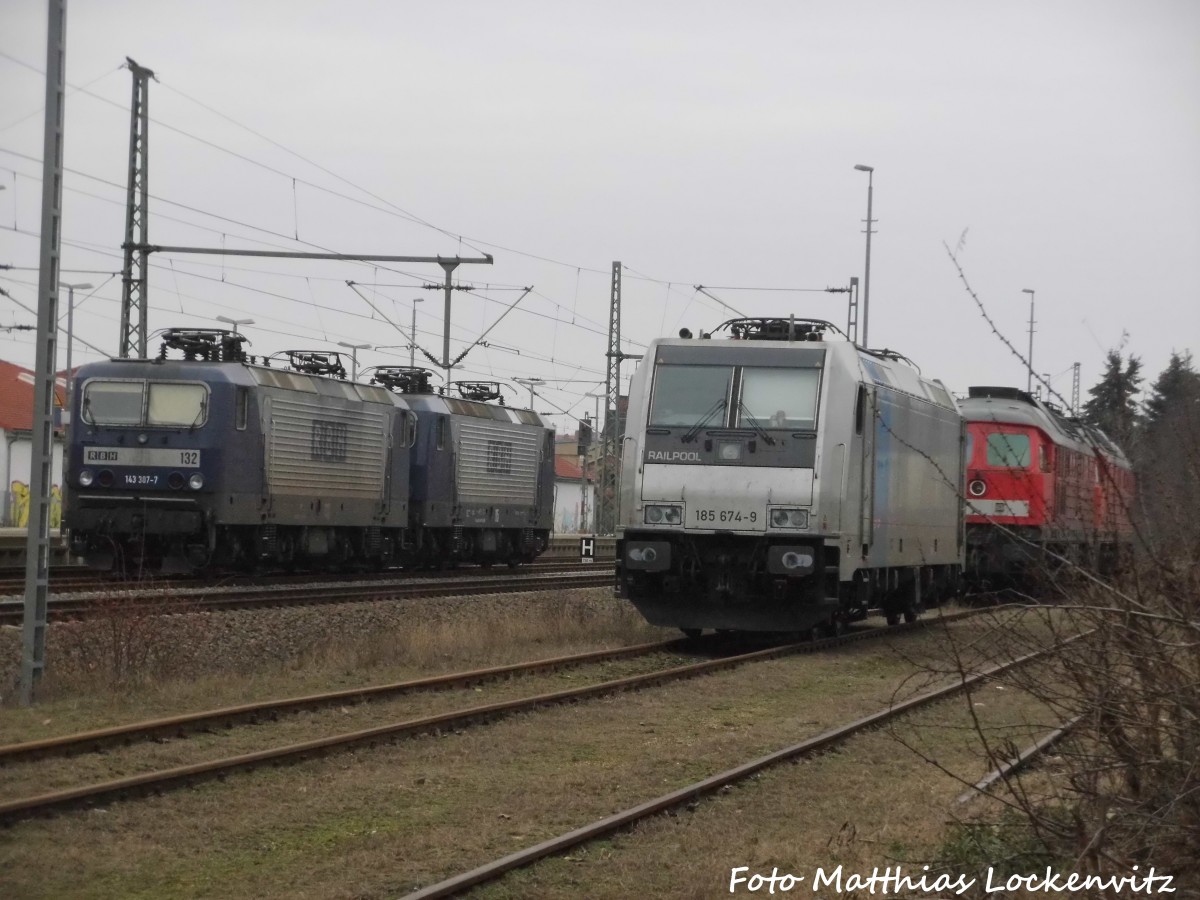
[(41, 461), (610, 454), (137, 223), (1075, 389)]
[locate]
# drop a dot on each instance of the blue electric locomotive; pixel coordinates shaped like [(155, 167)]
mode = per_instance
[(204, 458), (482, 473), (211, 461)]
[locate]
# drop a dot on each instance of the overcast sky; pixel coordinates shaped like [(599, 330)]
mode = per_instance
[(701, 143)]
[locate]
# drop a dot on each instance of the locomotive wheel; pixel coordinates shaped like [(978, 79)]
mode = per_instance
[(893, 617), (911, 614)]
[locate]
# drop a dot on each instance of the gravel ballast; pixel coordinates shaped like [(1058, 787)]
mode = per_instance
[(133, 643)]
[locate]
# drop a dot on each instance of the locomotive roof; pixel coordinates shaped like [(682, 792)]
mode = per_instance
[(457, 406), (190, 370), (240, 374), (327, 387), (1012, 406), (880, 367)]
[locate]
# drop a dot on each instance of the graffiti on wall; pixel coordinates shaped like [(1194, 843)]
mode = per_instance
[(19, 505)]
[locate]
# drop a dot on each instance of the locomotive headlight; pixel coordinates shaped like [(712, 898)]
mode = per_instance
[(196, 481), (643, 554), (86, 478), (977, 488), (658, 515), (796, 560), (789, 518)]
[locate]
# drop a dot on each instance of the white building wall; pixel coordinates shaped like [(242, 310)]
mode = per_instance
[(567, 495), (16, 451)]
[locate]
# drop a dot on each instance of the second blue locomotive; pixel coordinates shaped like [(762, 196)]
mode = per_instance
[(215, 460)]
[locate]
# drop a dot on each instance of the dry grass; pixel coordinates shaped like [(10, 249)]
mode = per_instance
[(442, 636), (375, 823), (869, 804), (31, 779)]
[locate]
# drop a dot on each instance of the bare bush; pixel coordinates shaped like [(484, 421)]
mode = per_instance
[(124, 641)]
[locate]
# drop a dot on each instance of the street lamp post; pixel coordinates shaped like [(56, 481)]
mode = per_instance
[(870, 170), (68, 422), (71, 289), (412, 335), (583, 484), (1029, 383), (600, 442), (530, 383), (597, 398), (354, 348)]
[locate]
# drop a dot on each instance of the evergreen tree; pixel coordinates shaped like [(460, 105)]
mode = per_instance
[(1178, 383), (1112, 408), (1168, 463)]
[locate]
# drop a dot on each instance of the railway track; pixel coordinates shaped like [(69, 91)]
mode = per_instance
[(12, 581), (1023, 758), (180, 726), (64, 579), (212, 599), (158, 781), (820, 743)]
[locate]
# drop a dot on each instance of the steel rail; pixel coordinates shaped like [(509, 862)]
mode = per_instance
[(188, 774), (179, 726), (76, 608), (620, 820), (1020, 761), (77, 579)]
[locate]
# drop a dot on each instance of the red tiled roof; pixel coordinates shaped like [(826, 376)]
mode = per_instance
[(16, 396), (566, 468)]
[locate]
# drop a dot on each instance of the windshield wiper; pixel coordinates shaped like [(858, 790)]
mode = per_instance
[(755, 424), (690, 434), (199, 415)]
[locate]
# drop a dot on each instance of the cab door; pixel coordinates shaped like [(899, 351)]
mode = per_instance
[(864, 429)]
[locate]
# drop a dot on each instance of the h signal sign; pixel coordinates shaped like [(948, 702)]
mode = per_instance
[(587, 549)]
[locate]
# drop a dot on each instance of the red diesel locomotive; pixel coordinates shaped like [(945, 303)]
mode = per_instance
[(1040, 488)]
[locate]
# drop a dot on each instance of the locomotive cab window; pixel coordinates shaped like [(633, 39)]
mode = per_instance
[(136, 403), (113, 402), (686, 395), (778, 398), (243, 402), (184, 405), (1008, 450)]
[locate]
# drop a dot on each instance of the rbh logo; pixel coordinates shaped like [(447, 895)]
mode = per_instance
[(587, 549), (499, 458), (328, 441)]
